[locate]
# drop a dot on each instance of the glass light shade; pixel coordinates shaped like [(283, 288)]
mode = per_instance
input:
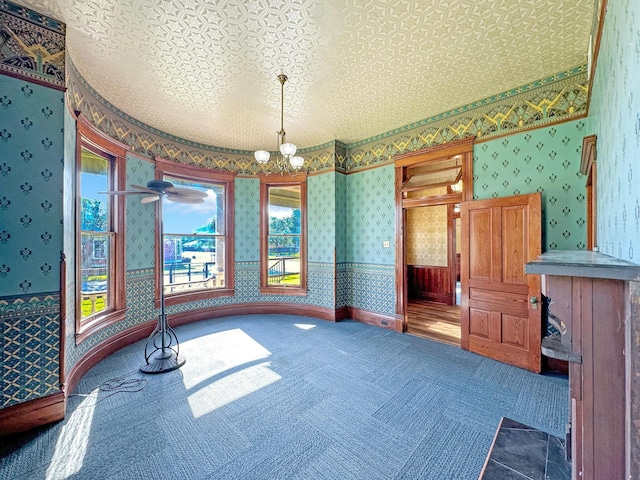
[(288, 150), (457, 187), (296, 162), (262, 156)]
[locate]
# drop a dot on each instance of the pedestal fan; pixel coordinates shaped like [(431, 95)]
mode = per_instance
[(162, 350)]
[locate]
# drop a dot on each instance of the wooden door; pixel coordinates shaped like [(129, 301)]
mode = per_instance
[(500, 304)]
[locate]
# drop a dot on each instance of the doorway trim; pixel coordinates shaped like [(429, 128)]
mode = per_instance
[(462, 148), (588, 168)]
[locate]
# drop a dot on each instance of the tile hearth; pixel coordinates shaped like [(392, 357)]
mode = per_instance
[(520, 452)]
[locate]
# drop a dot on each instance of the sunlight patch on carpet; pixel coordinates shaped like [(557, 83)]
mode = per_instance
[(71, 447), (220, 352), (231, 387), (304, 326)]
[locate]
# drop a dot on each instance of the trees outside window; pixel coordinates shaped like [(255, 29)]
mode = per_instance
[(283, 262), (100, 231)]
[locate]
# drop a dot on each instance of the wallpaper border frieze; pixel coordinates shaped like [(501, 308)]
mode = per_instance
[(577, 70), (556, 99), (27, 35), (18, 305), (553, 99)]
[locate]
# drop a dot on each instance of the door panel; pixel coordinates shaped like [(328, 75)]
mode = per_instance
[(479, 321), (514, 238), (499, 236), (480, 224)]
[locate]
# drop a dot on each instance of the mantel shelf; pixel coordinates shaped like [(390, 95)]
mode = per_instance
[(583, 263)]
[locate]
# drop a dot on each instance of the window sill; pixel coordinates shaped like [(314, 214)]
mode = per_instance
[(297, 291), (180, 298)]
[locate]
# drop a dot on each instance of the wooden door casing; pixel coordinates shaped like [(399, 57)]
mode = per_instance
[(499, 236), (462, 147)]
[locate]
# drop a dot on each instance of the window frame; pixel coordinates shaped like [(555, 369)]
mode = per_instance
[(89, 138), (267, 181), (199, 174)]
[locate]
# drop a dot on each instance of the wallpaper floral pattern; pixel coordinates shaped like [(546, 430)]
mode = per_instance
[(31, 155), (615, 119), (321, 208), (371, 216), (545, 160), (31, 238)]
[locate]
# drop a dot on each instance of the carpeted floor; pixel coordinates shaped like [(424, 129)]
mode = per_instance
[(277, 396)]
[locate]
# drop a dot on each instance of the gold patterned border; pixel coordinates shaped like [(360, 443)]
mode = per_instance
[(554, 99), (551, 102), (33, 46)]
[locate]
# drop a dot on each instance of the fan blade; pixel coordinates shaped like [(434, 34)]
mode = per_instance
[(188, 192), (183, 199), (144, 189), (122, 192), (153, 198)]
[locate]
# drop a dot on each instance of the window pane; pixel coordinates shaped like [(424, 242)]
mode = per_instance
[(284, 260), (200, 218), (95, 263), (284, 210), (193, 239), (193, 263), (93, 179)]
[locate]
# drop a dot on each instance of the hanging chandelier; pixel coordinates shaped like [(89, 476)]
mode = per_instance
[(288, 160)]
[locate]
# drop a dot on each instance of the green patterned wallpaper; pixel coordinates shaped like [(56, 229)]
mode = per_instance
[(615, 118), (545, 160), (39, 55), (247, 219), (321, 217), (140, 217), (31, 238), (31, 156), (341, 217), (371, 216), (30, 336)]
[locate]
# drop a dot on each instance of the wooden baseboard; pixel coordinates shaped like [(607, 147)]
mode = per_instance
[(102, 350), (32, 413), (377, 319), (445, 298), (342, 313), (253, 309)]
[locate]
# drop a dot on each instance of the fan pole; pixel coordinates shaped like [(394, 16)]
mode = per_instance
[(162, 350)]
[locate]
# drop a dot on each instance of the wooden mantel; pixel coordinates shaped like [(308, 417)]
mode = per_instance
[(582, 263), (592, 299)]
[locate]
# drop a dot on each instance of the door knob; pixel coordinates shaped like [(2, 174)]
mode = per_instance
[(534, 302)]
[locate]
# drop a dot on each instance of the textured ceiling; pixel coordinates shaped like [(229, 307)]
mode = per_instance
[(206, 70)]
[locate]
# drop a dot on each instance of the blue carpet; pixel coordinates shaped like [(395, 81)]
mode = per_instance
[(281, 396)]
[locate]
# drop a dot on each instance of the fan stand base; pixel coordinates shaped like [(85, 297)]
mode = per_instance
[(163, 362)]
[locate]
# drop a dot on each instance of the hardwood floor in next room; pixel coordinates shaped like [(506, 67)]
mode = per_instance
[(434, 321)]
